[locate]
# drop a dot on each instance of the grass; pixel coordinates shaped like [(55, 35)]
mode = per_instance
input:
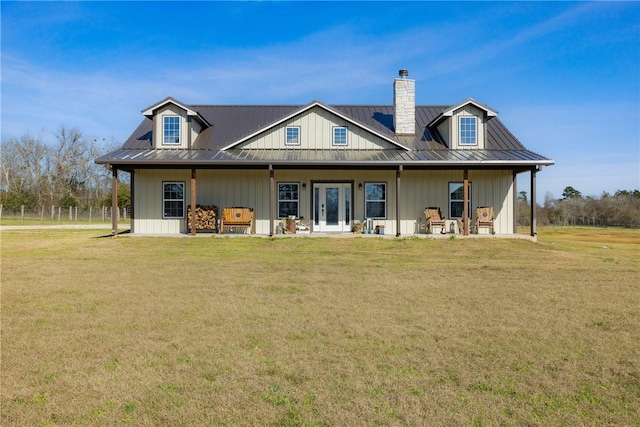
[(320, 331)]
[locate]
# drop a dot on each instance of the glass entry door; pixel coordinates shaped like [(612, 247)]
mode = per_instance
[(332, 207)]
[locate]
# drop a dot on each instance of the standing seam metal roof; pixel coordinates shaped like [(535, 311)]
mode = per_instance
[(233, 123)]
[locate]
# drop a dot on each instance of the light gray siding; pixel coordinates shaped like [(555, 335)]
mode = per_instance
[(185, 131), (316, 133), (250, 188)]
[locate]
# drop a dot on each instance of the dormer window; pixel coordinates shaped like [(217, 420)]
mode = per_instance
[(171, 130), (292, 136), (468, 130)]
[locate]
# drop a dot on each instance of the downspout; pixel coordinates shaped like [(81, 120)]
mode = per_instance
[(398, 187), (272, 194), (114, 203)]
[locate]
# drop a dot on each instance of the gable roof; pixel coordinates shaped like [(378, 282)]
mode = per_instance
[(150, 111), (469, 101), (308, 107), (219, 143)]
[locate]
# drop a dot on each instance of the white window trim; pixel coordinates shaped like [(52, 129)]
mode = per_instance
[(164, 200), (383, 200), (346, 136), (164, 136), (286, 136), (289, 200), (475, 142)]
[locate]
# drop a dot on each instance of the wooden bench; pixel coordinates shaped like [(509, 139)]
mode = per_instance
[(236, 218)]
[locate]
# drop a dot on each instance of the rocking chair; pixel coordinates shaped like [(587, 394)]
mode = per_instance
[(484, 218), (434, 219)]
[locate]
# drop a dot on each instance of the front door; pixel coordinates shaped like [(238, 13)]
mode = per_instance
[(332, 207)]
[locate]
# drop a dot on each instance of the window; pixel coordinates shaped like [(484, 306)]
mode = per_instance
[(456, 200), (292, 135), (288, 199), (339, 136), (468, 134), (173, 200), (375, 200), (171, 126)]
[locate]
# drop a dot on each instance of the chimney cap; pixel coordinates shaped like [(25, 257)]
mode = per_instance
[(404, 73)]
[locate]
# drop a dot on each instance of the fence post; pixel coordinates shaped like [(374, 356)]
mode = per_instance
[(59, 212), (21, 213), (0, 210), (52, 211), (41, 213), (70, 213), (76, 212), (89, 214)]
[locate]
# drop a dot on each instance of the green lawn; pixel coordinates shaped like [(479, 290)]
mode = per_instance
[(320, 331)]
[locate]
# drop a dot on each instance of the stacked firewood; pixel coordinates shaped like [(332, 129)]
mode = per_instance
[(206, 217)]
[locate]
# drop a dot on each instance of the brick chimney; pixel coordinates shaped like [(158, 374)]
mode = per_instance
[(404, 104)]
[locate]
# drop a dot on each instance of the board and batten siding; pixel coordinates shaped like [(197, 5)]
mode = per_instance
[(250, 188), (187, 134), (316, 133), (223, 188), (424, 188), (449, 128)]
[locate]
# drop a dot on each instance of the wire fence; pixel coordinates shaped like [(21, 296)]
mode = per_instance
[(58, 214)]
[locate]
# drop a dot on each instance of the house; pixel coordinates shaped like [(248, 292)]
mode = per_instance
[(330, 165)]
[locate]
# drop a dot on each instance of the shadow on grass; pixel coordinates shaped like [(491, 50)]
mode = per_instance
[(112, 235)]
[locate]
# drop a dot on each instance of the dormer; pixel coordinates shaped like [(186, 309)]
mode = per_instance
[(464, 126), (175, 126)]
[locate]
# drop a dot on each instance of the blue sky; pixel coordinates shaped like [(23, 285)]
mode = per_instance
[(563, 76)]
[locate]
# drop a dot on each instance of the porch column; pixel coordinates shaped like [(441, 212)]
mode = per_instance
[(114, 203), (398, 186), (465, 202), (133, 198), (272, 203), (534, 226), (193, 202), (516, 210)]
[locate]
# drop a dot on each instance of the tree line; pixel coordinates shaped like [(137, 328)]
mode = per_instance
[(36, 173), (573, 209)]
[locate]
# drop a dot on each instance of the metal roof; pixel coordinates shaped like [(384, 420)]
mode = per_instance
[(230, 124), (292, 157)]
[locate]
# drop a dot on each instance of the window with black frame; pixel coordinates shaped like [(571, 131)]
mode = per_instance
[(456, 200), (375, 203), (288, 199), (173, 199)]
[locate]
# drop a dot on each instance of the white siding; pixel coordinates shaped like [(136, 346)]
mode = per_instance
[(316, 132)]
